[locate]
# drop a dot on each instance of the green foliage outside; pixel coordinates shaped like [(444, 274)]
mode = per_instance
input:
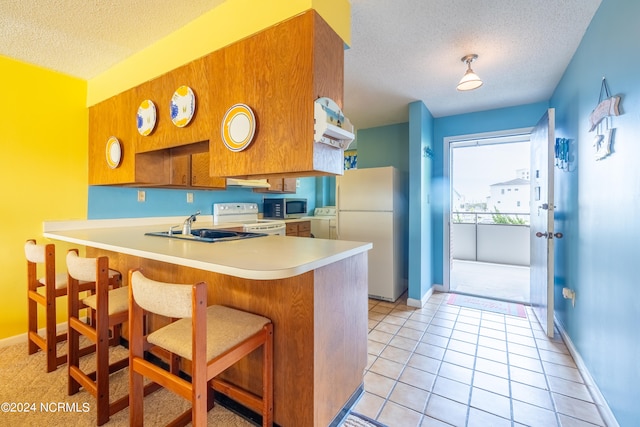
[(499, 218)]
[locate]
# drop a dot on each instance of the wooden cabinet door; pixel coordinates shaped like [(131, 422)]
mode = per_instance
[(289, 185), (292, 229), (304, 229), (180, 170), (200, 173)]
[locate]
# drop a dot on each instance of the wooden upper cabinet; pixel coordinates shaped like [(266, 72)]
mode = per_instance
[(112, 118), (160, 90), (278, 73)]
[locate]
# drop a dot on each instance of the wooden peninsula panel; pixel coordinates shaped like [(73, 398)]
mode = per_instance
[(320, 330), (279, 73)]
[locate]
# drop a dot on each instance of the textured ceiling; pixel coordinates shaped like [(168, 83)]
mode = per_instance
[(83, 38), (408, 50), (401, 50)]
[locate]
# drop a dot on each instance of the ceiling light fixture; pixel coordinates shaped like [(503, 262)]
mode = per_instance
[(470, 80)]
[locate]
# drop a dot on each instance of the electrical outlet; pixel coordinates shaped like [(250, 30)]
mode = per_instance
[(189, 197), (141, 196), (297, 183)]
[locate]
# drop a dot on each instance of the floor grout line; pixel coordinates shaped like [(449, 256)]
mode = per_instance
[(441, 310)]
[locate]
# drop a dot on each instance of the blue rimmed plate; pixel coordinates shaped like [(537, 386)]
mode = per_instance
[(183, 106), (146, 117)]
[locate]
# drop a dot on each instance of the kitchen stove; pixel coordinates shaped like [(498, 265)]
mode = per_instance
[(246, 214), (323, 222)]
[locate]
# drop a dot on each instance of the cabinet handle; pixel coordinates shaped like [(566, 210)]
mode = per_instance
[(184, 179)]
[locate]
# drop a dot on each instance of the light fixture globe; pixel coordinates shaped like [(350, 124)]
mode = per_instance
[(470, 80)]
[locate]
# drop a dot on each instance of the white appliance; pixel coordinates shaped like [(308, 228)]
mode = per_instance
[(246, 215), (371, 208), (323, 222)]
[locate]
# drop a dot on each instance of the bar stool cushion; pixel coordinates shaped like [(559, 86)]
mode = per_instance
[(118, 300), (226, 327), (61, 279)]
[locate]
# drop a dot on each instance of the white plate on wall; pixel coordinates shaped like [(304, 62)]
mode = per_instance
[(183, 106), (146, 117), (238, 127), (113, 152)]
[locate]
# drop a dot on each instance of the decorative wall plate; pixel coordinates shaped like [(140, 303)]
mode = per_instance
[(146, 117), (113, 152), (238, 127), (183, 106)]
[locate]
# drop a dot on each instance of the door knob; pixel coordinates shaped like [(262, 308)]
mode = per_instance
[(550, 235)]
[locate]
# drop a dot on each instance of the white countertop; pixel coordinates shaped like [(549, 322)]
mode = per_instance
[(260, 258)]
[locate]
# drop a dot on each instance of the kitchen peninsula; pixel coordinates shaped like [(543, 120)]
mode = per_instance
[(314, 291)]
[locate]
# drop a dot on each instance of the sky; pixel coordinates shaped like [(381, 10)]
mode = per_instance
[(475, 168)]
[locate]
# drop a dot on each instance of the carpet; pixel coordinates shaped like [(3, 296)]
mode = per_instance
[(40, 399), (501, 307)]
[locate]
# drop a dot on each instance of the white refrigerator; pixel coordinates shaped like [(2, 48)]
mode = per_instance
[(371, 208)]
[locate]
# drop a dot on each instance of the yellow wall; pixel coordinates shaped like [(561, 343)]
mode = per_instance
[(227, 23), (43, 136), (44, 129)]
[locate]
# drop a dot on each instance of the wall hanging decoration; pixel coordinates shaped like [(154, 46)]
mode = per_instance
[(146, 117), (238, 127), (600, 121), (562, 153), (183, 106), (113, 152), (350, 159)]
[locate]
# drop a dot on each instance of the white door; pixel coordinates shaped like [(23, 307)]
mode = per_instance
[(542, 233)]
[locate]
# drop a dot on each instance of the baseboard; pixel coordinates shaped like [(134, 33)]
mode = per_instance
[(22, 338), (419, 303), (598, 398)]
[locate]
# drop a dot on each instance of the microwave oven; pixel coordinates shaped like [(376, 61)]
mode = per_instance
[(285, 208)]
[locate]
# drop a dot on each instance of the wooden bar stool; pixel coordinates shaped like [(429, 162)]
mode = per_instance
[(109, 308), (55, 286), (213, 338)]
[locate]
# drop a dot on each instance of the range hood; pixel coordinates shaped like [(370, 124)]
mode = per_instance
[(247, 183)]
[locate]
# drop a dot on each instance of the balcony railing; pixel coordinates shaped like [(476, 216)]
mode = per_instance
[(501, 238)]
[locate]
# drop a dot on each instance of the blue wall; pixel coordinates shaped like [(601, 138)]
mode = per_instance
[(420, 230), (465, 124), (384, 146), (597, 208), (122, 202)]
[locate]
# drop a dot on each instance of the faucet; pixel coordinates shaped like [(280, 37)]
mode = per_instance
[(186, 226)]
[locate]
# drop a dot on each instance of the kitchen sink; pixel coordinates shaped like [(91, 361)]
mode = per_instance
[(209, 235)]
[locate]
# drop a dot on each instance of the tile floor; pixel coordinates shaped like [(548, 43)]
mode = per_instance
[(447, 365), (488, 279)]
